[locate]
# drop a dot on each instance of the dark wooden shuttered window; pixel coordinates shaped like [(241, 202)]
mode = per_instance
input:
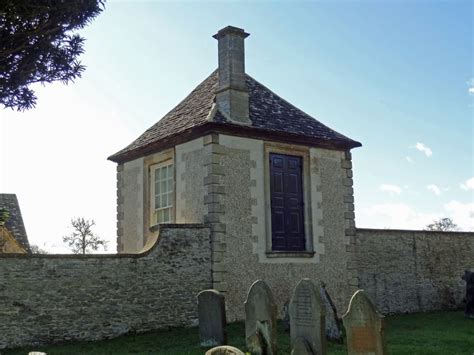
[(287, 202)]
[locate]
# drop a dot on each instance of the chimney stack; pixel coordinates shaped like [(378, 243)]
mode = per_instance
[(232, 94)]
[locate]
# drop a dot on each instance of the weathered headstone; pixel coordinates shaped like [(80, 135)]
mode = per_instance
[(469, 278), (224, 350), (212, 320), (260, 319), (301, 347), (286, 317), (364, 327), (307, 317), (333, 323)]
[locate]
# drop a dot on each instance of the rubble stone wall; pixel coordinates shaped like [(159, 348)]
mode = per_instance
[(413, 271), (57, 298)]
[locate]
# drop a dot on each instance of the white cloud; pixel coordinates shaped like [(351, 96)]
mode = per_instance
[(435, 189), (470, 83), (424, 149), (404, 216), (392, 189), (468, 184), (461, 213), (410, 160), (395, 216)]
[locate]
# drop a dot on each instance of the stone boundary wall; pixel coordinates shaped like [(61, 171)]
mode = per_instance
[(56, 298), (412, 271)]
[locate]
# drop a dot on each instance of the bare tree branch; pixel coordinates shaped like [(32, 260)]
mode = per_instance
[(82, 239), (442, 225)]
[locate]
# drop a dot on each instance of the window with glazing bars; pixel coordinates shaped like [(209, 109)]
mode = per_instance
[(162, 177)]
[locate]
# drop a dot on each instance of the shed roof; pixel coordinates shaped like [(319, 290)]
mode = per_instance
[(270, 116)]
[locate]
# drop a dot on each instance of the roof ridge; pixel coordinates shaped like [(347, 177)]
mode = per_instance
[(293, 106), (274, 93), (198, 86), (183, 100), (178, 106)]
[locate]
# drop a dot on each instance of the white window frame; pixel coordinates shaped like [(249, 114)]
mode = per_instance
[(171, 203)]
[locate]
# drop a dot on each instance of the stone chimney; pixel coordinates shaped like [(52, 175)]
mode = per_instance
[(232, 95)]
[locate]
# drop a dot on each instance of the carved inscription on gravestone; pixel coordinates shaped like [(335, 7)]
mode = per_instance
[(302, 303), (364, 327), (307, 314)]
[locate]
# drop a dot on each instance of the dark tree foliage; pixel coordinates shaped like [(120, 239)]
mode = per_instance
[(4, 216), (38, 45)]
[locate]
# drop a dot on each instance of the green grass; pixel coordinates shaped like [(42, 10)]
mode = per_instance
[(443, 333), (431, 333)]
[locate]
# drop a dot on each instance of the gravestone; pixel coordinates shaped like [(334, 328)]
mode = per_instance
[(469, 278), (333, 323), (364, 327), (301, 347), (285, 321), (260, 319), (212, 320), (224, 350), (307, 316)]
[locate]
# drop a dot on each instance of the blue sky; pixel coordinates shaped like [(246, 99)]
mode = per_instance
[(395, 76)]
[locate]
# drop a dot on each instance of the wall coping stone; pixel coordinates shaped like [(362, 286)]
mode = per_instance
[(414, 231), (105, 256)]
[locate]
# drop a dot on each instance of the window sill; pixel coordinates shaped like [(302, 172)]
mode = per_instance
[(290, 254)]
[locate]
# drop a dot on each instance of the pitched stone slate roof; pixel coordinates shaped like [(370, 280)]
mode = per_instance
[(15, 222), (269, 113)]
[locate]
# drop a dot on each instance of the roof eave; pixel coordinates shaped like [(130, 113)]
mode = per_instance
[(232, 129), (165, 143), (259, 133)]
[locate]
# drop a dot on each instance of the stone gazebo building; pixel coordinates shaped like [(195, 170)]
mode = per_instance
[(273, 184)]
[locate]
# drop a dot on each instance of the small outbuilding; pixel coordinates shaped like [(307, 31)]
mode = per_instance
[(273, 183)]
